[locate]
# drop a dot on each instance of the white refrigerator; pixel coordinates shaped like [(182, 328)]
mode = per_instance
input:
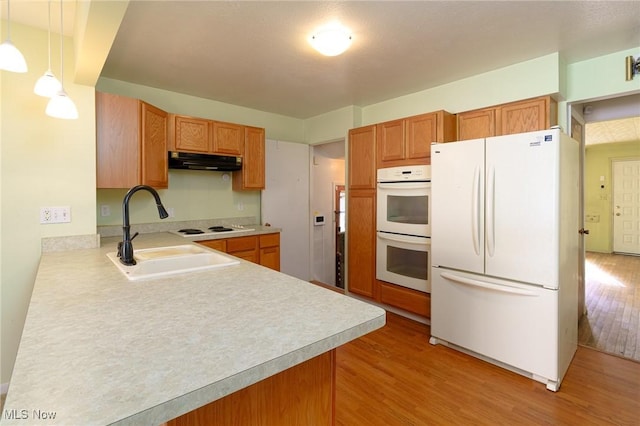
[(505, 251)]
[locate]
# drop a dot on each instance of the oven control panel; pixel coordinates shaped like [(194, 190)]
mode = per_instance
[(404, 173)]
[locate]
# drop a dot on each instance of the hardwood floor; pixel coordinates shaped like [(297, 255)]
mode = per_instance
[(393, 376), (612, 290)]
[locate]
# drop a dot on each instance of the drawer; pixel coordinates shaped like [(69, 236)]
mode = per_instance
[(242, 244), (220, 245), (269, 240)]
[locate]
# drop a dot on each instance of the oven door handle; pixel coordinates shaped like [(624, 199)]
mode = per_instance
[(419, 241), (404, 185)]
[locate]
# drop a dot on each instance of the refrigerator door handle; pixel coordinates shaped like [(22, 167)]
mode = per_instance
[(491, 200), (489, 286), (475, 212)]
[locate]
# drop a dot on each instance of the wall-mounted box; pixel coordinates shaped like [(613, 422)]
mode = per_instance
[(593, 218)]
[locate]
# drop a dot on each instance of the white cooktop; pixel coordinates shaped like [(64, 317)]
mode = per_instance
[(208, 233)]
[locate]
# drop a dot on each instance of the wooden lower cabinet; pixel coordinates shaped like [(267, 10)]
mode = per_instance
[(270, 251), (220, 245), (302, 395), (410, 300), (361, 243), (244, 247), (262, 249)]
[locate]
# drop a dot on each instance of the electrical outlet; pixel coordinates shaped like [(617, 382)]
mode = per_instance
[(240, 206), (105, 210), (55, 214), (171, 211)]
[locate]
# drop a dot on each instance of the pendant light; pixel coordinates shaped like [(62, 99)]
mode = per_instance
[(10, 57), (60, 105), (47, 85)]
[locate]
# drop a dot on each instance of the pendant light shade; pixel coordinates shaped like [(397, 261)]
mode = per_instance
[(48, 85), (11, 58), (61, 105)]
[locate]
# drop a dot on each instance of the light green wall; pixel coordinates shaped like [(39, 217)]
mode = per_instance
[(333, 125), (278, 127), (43, 162), (191, 195), (524, 80), (598, 78), (598, 200)]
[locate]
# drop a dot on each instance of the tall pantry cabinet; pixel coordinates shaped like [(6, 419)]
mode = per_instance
[(361, 207)]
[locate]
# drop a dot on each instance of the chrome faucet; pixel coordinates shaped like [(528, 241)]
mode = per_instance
[(125, 247)]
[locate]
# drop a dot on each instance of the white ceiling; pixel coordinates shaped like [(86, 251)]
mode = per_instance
[(255, 53)]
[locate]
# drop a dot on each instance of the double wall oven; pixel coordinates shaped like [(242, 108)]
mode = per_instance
[(403, 241)]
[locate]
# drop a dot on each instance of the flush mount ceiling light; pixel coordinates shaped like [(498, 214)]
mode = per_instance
[(60, 105), (47, 85), (10, 57), (331, 40)]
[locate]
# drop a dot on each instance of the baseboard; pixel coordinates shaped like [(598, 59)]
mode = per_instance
[(4, 388)]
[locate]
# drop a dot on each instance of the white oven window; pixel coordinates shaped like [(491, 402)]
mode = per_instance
[(408, 263), (412, 210), (404, 208), (404, 260)]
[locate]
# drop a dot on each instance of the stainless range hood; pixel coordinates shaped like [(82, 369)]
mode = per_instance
[(211, 162)]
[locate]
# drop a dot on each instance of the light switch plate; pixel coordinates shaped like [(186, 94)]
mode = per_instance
[(60, 214)]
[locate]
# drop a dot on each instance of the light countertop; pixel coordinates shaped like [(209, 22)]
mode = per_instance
[(98, 349)]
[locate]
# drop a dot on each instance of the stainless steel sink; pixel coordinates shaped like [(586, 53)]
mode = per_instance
[(164, 261)]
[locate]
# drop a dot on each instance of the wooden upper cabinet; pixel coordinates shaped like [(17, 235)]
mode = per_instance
[(362, 157), (420, 131), (528, 115), (507, 119), (131, 143), (252, 175), (228, 138), (390, 141), (408, 141), (189, 134), (192, 134), (154, 146), (477, 124)]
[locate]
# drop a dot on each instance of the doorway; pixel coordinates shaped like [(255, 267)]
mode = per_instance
[(327, 202), (611, 299), (340, 225), (626, 206)]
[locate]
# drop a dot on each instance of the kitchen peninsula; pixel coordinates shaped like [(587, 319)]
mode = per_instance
[(99, 349)]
